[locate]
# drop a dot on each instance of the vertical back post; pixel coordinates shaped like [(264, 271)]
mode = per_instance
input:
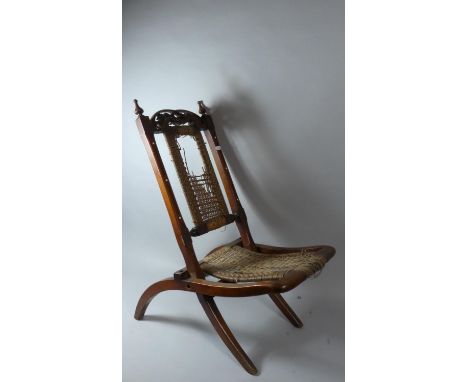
[(233, 198), (181, 232)]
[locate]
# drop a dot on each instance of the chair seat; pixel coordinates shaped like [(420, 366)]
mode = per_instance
[(235, 263)]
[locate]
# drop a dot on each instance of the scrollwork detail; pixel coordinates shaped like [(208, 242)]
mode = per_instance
[(165, 119)]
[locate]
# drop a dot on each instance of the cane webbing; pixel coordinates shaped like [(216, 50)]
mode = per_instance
[(235, 263), (202, 192)]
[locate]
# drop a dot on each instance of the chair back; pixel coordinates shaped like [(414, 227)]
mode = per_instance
[(201, 188)]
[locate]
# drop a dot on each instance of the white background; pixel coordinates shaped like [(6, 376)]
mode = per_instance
[(405, 191)]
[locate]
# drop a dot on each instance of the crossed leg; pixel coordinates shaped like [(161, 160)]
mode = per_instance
[(215, 317), (211, 310), (286, 309)]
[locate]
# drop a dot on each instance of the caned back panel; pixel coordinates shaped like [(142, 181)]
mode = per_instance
[(202, 191)]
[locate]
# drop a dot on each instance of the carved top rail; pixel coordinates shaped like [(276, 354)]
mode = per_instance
[(179, 121)]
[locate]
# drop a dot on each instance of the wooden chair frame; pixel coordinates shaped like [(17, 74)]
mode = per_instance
[(192, 278)]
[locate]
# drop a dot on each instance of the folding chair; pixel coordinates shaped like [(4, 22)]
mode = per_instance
[(243, 267)]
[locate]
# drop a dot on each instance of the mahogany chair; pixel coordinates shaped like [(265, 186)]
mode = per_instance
[(243, 267)]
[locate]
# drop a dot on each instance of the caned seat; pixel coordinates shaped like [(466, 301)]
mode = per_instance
[(234, 263)]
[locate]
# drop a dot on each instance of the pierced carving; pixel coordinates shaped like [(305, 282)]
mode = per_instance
[(166, 119)]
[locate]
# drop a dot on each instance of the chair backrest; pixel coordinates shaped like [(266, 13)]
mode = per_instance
[(202, 190)]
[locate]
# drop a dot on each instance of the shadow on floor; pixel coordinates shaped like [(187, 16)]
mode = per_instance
[(196, 324), (322, 318)]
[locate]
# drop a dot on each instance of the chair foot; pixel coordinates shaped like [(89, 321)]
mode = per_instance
[(286, 309), (151, 292), (225, 333)]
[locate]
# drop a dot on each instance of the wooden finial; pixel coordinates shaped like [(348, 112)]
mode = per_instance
[(138, 109), (202, 109)]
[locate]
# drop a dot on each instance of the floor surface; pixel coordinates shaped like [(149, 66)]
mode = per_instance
[(176, 341)]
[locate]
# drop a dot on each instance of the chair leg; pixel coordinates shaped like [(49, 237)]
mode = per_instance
[(211, 310), (151, 292), (286, 309)]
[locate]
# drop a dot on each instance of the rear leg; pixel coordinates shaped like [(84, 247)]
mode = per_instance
[(286, 309)]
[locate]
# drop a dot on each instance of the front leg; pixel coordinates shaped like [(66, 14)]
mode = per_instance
[(225, 333), (152, 291)]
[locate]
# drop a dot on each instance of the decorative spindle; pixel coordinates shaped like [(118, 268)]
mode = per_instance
[(202, 109), (138, 110)]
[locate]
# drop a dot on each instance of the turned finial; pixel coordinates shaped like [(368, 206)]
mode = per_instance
[(138, 109), (202, 109)]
